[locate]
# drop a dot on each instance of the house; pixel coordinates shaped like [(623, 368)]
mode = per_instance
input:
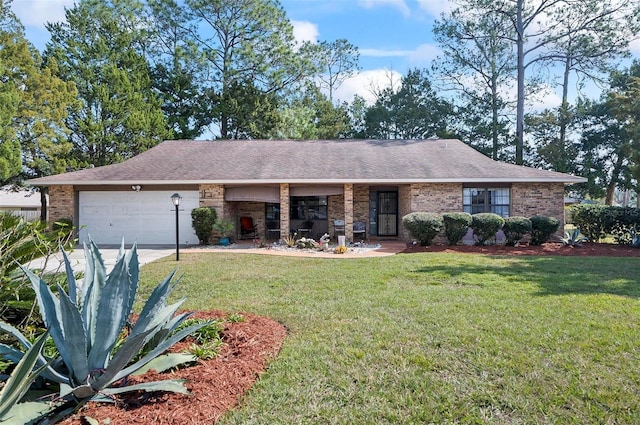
[(20, 201), (283, 184)]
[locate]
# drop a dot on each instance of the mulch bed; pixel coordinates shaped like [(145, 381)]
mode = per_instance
[(217, 385), (586, 249)]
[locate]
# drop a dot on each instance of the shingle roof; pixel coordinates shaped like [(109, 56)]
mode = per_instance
[(316, 161)]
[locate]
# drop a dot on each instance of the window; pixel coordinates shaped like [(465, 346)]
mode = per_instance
[(308, 207), (483, 199)]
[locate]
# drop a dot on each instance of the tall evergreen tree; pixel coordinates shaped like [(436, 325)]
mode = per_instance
[(99, 49), (246, 43), (14, 58), (411, 111)]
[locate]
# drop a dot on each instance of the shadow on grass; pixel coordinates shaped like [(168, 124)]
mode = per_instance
[(553, 275)]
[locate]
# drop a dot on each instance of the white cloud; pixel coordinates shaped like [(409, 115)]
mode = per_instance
[(397, 4), (424, 54), (366, 83), (436, 7), (305, 31), (35, 13), (634, 47), (420, 56)]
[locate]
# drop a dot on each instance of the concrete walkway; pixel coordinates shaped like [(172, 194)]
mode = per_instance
[(76, 257), (147, 255)]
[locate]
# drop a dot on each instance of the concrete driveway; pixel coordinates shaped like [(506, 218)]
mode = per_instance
[(76, 257)]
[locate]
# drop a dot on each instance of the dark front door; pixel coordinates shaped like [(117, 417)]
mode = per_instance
[(387, 214)]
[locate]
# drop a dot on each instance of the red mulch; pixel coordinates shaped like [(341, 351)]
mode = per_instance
[(217, 385), (586, 249)]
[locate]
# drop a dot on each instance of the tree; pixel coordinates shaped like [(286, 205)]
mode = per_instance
[(97, 49), (477, 62), (177, 70), (335, 61), (411, 111), (611, 136), (587, 38), (14, 57), (246, 43), (572, 31)]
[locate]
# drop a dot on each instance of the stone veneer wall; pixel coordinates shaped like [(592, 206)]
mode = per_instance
[(61, 203), (529, 199), (361, 204)]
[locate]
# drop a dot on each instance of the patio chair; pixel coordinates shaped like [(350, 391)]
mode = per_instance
[(359, 228), (338, 228), (247, 228), (305, 228)]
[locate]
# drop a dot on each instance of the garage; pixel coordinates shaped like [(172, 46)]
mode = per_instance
[(145, 217)]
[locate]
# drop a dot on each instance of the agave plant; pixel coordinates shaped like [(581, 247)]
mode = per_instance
[(87, 326), (12, 411), (573, 238)]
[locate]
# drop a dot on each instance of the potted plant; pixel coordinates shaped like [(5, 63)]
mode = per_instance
[(225, 228)]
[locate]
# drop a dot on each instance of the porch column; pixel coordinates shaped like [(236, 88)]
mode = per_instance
[(284, 210), (348, 212)]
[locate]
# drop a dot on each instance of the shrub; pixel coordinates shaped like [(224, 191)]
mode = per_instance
[(542, 228), (340, 249), (202, 220), (485, 226), (590, 219), (620, 222), (423, 226), (515, 228), (456, 225)]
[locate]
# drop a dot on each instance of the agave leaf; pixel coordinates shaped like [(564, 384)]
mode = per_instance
[(22, 377), (94, 280), (27, 413), (71, 279), (75, 338), (162, 317), (173, 385), (134, 271), (123, 356), (155, 302), (166, 362), (50, 311), (159, 349), (111, 314)]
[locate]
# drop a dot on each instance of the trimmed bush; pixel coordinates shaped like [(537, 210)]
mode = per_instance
[(542, 228), (515, 228), (485, 226), (456, 225), (202, 220), (590, 219), (423, 226)]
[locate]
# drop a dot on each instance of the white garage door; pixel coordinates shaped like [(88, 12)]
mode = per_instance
[(145, 217)]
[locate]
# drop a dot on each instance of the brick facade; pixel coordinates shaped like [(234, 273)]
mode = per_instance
[(529, 199), (62, 203)]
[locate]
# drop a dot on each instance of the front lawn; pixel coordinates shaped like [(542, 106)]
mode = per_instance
[(432, 338)]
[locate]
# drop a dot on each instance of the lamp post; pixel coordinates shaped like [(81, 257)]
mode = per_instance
[(176, 198)]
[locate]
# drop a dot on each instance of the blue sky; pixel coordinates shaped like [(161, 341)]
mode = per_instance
[(391, 35)]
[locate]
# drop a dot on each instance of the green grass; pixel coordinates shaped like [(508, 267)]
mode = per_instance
[(433, 338)]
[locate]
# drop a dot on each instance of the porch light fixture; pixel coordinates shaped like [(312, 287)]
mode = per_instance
[(175, 199)]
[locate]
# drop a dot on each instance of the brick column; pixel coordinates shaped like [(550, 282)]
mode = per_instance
[(62, 203), (348, 212), (284, 210), (212, 195)]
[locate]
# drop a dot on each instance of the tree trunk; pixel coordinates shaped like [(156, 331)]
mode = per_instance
[(520, 99), (43, 204), (564, 120)]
